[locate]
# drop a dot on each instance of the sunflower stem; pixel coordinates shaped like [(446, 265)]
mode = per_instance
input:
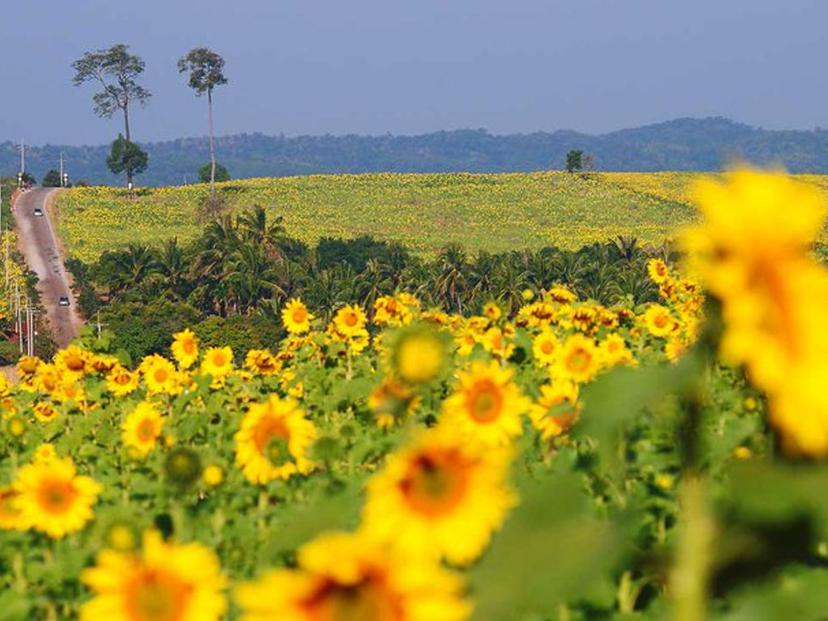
[(20, 582), (626, 594), (690, 576), (262, 510), (691, 572)]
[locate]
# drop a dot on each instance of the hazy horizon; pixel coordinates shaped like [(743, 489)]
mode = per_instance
[(396, 135), (371, 68)]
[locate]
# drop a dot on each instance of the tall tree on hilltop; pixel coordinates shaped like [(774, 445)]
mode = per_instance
[(206, 69), (116, 70)]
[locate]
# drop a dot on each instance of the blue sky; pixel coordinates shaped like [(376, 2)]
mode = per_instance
[(412, 66)]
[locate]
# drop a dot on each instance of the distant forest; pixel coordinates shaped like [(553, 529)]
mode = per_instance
[(679, 145)]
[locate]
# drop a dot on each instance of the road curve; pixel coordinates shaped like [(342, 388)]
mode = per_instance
[(39, 246)]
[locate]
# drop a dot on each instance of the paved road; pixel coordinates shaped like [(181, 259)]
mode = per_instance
[(39, 247)]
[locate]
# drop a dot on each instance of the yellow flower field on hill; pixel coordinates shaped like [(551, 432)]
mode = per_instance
[(425, 212)]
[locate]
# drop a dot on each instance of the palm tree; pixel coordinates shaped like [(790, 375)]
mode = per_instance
[(627, 247), (451, 282), (373, 282), (250, 278), (568, 268), (135, 263), (599, 284), (172, 265), (253, 226)]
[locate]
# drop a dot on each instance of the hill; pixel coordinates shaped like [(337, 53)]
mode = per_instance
[(493, 213), (679, 145)]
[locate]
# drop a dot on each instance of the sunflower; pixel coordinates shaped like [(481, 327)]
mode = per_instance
[(441, 495), (752, 252), (121, 382), (496, 342), (438, 318), (160, 375), (295, 317), (391, 311), (392, 402), (614, 351), (101, 364), (53, 499), (28, 366), (262, 362), (486, 404), (349, 321), (491, 311), (350, 577), (465, 340), (273, 441), (217, 362), (9, 513), (45, 412), (165, 582), (658, 321), (583, 318), (418, 354), (45, 452), (213, 476), (47, 378), (409, 300), (674, 349), (545, 347), (658, 271), (185, 348), (68, 391), (73, 361), (556, 409), (141, 430), (579, 359), (561, 295)]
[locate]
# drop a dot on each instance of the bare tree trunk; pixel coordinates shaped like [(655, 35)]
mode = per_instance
[(128, 137), (212, 146)]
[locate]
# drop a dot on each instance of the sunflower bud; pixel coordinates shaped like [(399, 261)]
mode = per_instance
[(182, 466), (122, 537)]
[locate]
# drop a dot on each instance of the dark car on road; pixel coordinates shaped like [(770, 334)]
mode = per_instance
[(63, 301)]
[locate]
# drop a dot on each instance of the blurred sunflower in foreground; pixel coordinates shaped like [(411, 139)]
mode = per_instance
[(752, 252)]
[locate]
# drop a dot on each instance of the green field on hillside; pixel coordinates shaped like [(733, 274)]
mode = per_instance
[(425, 212)]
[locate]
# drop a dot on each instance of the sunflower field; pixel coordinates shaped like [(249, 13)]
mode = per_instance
[(563, 461), (425, 212)]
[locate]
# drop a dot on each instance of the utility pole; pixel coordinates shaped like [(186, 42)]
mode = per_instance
[(19, 322), (6, 263), (62, 184), (22, 164), (98, 322), (31, 314), (28, 330)]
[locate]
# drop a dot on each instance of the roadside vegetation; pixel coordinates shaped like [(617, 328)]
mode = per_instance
[(15, 278)]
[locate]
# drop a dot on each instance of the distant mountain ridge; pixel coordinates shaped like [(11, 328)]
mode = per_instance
[(679, 145)]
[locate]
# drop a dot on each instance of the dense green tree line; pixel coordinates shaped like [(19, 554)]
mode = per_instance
[(247, 266)]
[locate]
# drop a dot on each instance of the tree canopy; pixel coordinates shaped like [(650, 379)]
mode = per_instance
[(116, 70), (126, 157), (206, 69)]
